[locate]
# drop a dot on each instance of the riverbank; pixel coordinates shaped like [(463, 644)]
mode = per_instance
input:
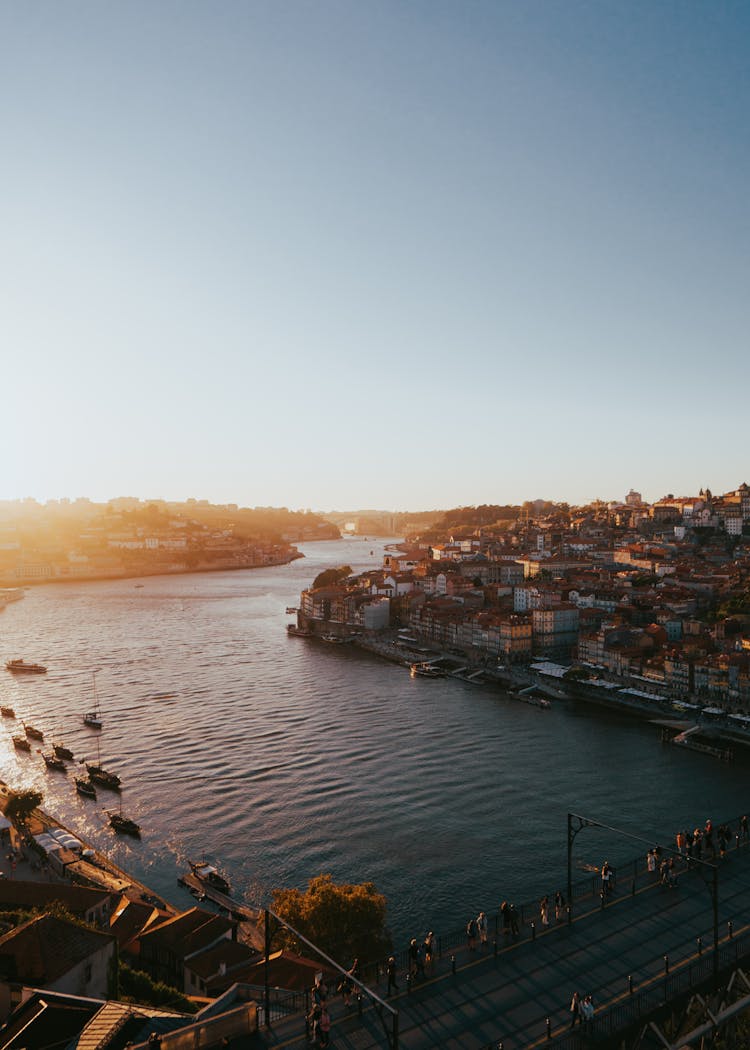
[(145, 573)]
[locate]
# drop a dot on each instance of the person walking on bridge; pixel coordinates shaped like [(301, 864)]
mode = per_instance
[(482, 927), (471, 934), (390, 970), (575, 1009)]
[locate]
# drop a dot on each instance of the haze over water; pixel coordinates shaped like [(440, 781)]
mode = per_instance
[(281, 757)]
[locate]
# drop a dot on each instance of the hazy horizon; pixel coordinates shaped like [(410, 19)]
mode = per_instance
[(334, 253)]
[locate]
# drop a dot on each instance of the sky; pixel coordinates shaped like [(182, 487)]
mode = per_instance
[(402, 255)]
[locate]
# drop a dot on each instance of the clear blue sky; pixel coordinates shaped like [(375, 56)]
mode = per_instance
[(342, 254)]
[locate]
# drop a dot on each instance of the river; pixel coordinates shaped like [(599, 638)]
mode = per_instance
[(283, 757)]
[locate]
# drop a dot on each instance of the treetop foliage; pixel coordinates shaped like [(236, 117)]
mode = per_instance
[(21, 804), (330, 577), (345, 920)]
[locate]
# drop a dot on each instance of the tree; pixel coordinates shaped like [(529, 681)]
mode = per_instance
[(21, 804), (344, 920), (330, 577)]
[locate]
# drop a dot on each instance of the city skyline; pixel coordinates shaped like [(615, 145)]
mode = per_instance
[(333, 256)]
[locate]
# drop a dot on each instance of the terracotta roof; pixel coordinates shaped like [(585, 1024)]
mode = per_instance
[(44, 948), (132, 919), (189, 931), (77, 899), (231, 953)]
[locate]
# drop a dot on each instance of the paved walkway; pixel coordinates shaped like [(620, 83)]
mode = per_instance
[(510, 997)]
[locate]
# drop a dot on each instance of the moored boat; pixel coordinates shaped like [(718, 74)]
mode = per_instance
[(53, 762), (209, 876), (124, 825), (33, 732), (62, 751), (85, 788), (20, 743), (93, 718), (7, 712), (103, 777), (21, 667), (427, 670)]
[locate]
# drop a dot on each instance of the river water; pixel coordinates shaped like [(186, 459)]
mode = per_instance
[(283, 757)]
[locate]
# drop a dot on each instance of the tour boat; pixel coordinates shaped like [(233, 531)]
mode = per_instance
[(427, 670), (21, 667), (209, 876)]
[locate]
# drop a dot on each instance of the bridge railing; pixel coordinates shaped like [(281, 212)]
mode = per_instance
[(627, 876), (642, 1004)]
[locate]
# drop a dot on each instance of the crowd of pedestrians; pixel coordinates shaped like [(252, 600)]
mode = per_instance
[(703, 843)]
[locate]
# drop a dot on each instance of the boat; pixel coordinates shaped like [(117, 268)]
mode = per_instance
[(427, 670), (102, 777), (93, 718), (124, 825), (85, 788), (62, 752), (20, 743), (209, 876), (291, 610), (7, 712), (21, 667), (53, 762), (33, 732)]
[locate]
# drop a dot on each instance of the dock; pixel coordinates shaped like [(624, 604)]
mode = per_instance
[(239, 910)]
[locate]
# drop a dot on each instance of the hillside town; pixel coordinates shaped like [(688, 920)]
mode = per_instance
[(654, 595), (126, 537)]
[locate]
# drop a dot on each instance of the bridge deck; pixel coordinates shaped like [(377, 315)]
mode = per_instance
[(509, 997)]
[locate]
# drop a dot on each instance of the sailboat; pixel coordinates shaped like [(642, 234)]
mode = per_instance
[(99, 775), (93, 718), (123, 825)]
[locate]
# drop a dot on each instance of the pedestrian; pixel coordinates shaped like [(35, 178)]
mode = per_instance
[(744, 827), (324, 1027), (606, 879), (313, 1020), (319, 990), (154, 1041), (354, 971), (514, 928), (482, 927), (471, 934), (345, 987), (505, 913), (587, 1011), (544, 910), (390, 970), (651, 862), (559, 905), (575, 1009), (429, 951)]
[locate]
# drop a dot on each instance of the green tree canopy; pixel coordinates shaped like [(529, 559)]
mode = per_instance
[(330, 577), (21, 804), (345, 920)]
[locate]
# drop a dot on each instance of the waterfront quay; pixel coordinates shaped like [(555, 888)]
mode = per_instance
[(635, 952), (683, 724)]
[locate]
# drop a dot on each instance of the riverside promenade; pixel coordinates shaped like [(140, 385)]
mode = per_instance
[(647, 945)]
